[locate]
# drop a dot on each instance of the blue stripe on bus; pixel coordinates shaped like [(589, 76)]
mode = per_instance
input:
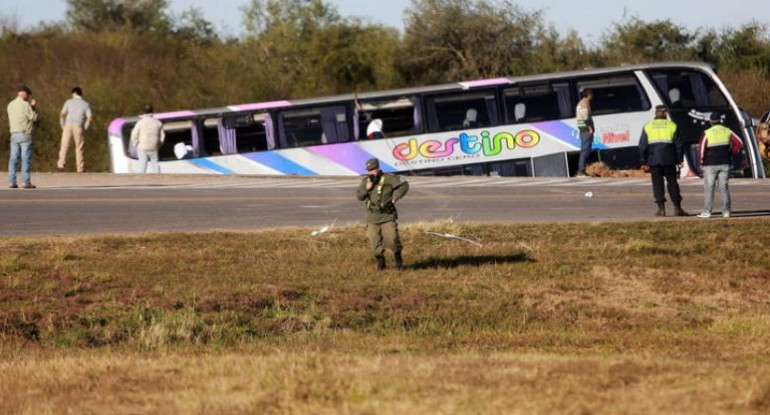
[(210, 165), (279, 163)]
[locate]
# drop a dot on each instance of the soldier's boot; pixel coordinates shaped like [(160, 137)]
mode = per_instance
[(399, 261), (678, 211), (661, 209), (380, 262)]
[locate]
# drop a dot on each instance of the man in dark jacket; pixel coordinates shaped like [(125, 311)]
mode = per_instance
[(717, 148), (381, 192), (660, 151)]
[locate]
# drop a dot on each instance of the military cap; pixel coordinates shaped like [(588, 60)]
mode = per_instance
[(661, 108), (372, 164), (716, 116)]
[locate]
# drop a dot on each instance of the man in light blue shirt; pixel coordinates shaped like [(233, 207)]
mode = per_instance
[(75, 118)]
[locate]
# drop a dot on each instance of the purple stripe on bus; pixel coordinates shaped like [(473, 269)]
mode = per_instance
[(486, 82), (262, 106), (564, 132), (116, 127), (176, 114), (350, 156)]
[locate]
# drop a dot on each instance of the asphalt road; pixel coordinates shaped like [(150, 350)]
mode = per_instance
[(106, 204)]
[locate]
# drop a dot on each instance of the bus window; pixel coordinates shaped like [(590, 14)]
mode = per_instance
[(688, 89), (211, 137), (615, 94), (178, 143), (530, 103), (314, 126), (397, 117), (467, 110), (243, 133)]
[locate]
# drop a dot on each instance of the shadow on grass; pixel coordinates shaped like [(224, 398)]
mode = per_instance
[(477, 261)]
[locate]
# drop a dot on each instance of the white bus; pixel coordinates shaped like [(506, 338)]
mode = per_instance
[(516, 126)]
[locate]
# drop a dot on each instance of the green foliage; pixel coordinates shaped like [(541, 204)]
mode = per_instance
[(639, 41), (126, 53), (313, 51), (103, 15), (452, 40)]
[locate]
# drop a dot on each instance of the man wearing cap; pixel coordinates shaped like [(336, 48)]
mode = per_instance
[(660, 151), (22, 116), (381, 192), (717, 146), (75, 118)]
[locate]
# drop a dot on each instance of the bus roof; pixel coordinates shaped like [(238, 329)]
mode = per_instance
[(457, 86)]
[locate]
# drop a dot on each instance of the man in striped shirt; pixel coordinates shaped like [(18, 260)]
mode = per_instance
[(585, 124)]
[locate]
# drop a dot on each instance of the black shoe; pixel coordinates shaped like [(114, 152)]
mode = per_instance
[(399, 261), (29, 186), (13, 186), (661, 210), (678, 211), (380, 263)]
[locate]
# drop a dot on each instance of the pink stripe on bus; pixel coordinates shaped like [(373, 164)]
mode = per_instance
[(485, 82), (177, 114), (116, 127), (262, 105)]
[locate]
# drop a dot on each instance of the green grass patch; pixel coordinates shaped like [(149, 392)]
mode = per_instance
[(661, 317), (534, 287)]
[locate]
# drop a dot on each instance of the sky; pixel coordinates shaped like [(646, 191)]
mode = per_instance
[(589, 17)]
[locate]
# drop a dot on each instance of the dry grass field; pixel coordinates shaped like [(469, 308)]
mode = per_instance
[(653, 317)]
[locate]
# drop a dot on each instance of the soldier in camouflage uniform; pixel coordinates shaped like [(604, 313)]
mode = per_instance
[(381, 192)]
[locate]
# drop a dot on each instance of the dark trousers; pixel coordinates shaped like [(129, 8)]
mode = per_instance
[(586, 142), (671, 175)]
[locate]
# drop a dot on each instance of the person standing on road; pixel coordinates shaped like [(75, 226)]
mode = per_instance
[(381, 192), (22, 116), (585, 124), (75, 118), (147, 136), (660, 151), (717, 146)]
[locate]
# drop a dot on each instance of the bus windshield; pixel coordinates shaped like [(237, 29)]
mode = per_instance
[(688, 89)]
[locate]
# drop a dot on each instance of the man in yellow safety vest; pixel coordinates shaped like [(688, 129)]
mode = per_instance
[(716, 149), (660, 151)]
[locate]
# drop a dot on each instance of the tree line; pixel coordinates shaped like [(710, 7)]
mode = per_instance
[(126, 53)]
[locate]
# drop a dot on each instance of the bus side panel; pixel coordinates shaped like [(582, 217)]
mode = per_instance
[(439, 150), (119, 162)]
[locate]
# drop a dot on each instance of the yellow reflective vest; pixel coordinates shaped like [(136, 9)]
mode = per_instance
[(659, 146)]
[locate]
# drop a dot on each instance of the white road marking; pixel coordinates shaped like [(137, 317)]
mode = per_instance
[(416, 182)]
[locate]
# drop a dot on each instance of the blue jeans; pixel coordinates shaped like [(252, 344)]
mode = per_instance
[(21, 145), (586, 142), (710, 175), (144, 155)]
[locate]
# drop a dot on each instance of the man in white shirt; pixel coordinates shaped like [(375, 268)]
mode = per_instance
[(147, 136), (75, 118)]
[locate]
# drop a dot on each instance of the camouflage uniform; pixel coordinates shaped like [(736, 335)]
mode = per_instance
[(381, 214)]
